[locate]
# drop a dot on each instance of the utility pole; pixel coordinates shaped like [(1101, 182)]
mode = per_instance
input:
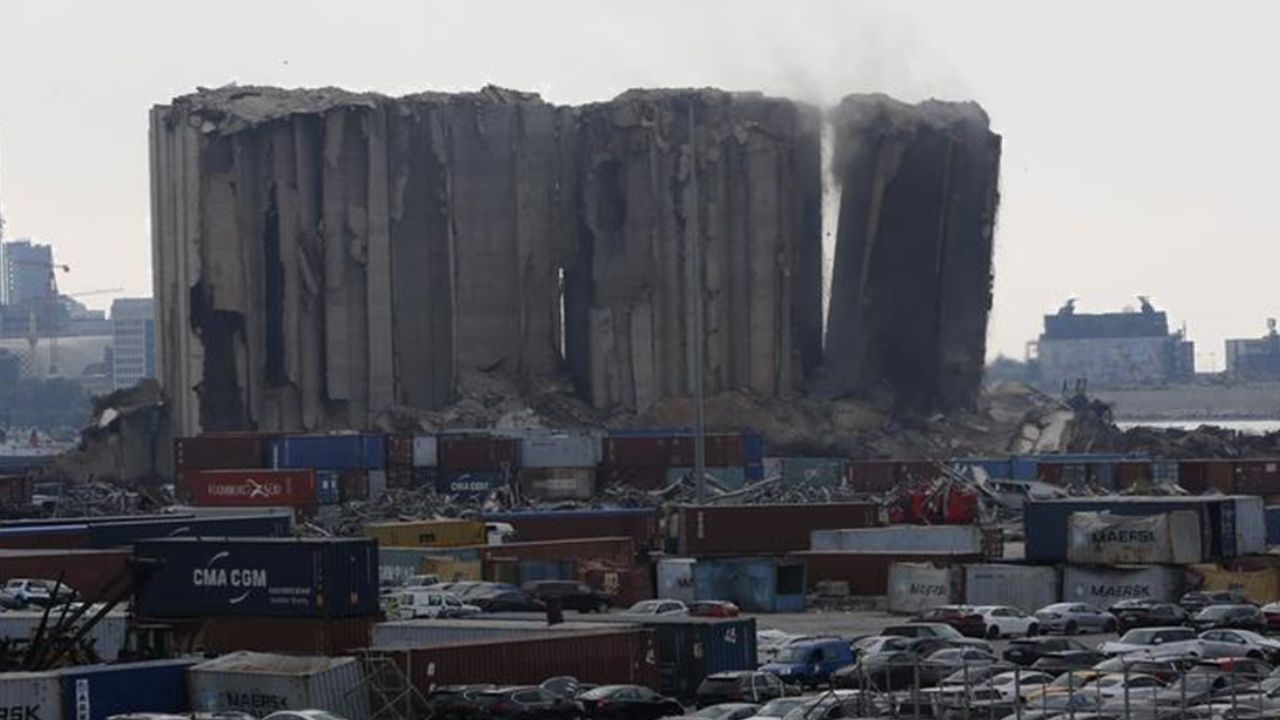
[(699, 292)]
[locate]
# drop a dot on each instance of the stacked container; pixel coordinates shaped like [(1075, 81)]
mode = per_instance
[(355, 464), (475, 463), (557, 465), (260, 684), (653, 459)]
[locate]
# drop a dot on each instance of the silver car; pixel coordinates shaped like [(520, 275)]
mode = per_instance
[(1074, 617)]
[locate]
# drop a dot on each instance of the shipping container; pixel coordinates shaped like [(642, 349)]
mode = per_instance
[(292, 636), (240, 488), (753, 456), (558, 483), (470, 484), (1104, 539), (353, 485), (690, 648), (229, 451), (1257, 477), (260, 684), (809, 471), (44, 537), (108, 635), (400, 451), (623, 586), (621, 655), (478, 454), (614, 552), (1103, 587), (672, 450), (398, 564), (89, 572), (994, 468), (328, 487), (675, 579), (329, 452), (1203, 476), (754, 584), (331, 577), (1273, 525), (559, 449), (1230, 526), (902, 538), (426, 451), (427, 533), (123, 534), (1026, 587), (764, 529), (867, 573), (916, 587), (425, 633), (1257, 578), (16, 491), (725, 478), (639, 524), (96, 692), (31, 696), (873, 476)]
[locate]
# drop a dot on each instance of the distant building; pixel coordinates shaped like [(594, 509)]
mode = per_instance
[(1255, 358), (28, 269), (1110, 350), (133, 323)]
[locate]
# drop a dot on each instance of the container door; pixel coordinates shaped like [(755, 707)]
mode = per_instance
[(675, 580)]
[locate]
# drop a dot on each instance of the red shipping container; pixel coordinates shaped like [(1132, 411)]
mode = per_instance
[(477, 453), (765, 529), (624, 587), (16, 491), (224, 451), (90, 572), (1200, 476), (295, 636), (867, 572), (872, 476), (353, 485), (399, 452), (1257, 477), (635, 451), (250, 488)]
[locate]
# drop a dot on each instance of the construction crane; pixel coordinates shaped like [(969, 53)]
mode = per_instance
[(49, 302)]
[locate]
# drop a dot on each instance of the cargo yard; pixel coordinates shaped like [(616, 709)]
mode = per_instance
[(626, 401)]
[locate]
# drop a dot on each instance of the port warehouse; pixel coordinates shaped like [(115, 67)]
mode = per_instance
[(317, 598)]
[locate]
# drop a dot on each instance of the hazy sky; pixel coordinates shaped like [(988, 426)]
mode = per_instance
[(1141, 150)]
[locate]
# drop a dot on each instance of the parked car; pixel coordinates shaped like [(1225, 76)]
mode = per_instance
[(836, 704), (628, 702), (19, 593), (1005, 621), (421, 581), (884, 671), (658, 607), (1172, 640), (526, 703), (879, 643), (1018, 684), (1141, 614), (572, 595), (412, 604), (1194, 602), (964, 618), (809, 661), (713, 608), (1067, 661), (945, 661), (1140, 688), (725, 711), (749, 686), (1271, 611), (302, 715), (455, 702), (505, 601), (1028, 650), (1241, 617), (1073, 617), (779, 708), (937, 631), (1230, 642)]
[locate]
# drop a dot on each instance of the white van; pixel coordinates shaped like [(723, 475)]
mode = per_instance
[(431, 604)]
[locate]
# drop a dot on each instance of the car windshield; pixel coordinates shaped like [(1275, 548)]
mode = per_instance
[(781, 706), (717, 711), (793, 654), (13, 584), (1216, 611), (645, 606), (600, 693)]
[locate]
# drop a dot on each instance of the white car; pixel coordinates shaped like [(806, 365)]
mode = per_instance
[(1239, 643), (1161, 640), (412, 604), (1021, 683), (658, 607), (1110, 687), (778, 708), (19, 593), (1005, 621)]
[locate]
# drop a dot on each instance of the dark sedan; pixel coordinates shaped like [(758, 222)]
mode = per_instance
[(1194, 602), (891, 670), (1025, 651), (628, 702), (526, 703), (1149, 614), (1238, 617), (963, 618), (456, 702), (570, 594), (507, 601)]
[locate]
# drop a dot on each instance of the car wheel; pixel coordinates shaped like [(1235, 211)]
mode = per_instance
[(1109, 626), (1033, 630), (993, 633), (1072, 628), (1256, 655)]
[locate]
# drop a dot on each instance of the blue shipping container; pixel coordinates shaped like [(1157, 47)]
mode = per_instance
[(1273, 525), (996, 468), (331, 577), (96, 692), (328, 487), (125, 534), (330, 452), (754, 584), (753, 455), (690, 649), (469, 483)]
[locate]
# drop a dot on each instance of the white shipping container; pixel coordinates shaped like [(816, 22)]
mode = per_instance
[(108, 635), (558, 483), (1250, 525), (422, 633), (259, 684), (1161, 539), (426, 451), (914, 587), (958, 539), (1026, 587), (1106, 586), (377, 484), (31, 696), (560, 450), (675, 579)]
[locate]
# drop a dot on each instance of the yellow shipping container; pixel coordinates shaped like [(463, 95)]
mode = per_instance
[(450, 569), (1260, 586), (427, 533)]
